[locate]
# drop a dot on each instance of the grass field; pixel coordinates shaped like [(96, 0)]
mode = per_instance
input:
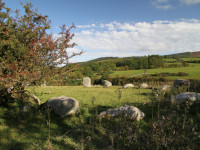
[(193, 72), (103, 96), (39, 130), (190, 59), (170, 59), (32, 130)]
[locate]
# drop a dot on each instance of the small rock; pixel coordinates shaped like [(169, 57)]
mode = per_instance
[(107, 83), (143, 85), (127, 85), (165, 88)]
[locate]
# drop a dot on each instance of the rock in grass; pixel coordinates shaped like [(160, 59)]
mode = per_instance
[(187, 96), (62, 105), (130, 112), (143, 85), (165, 88), (86, 82), (127, 85), (106, 83)]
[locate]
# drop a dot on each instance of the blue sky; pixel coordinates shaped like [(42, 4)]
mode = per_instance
[(123, 28)]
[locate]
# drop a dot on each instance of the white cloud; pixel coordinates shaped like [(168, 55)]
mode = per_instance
[(162, 4), (190, 2), (167, 4), (140, 38), (86, 26)]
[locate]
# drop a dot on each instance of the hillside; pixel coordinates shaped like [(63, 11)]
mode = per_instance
[(184, 55), (197, 54), (176, 55)]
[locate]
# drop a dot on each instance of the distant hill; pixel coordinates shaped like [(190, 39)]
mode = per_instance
[(177, 55), (185, 54), (195, 53), (103, 58)]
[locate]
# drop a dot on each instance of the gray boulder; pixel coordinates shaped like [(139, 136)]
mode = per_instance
[(143, 85), (130, 112), (181, 82), (86, 82), (62, 105), (182, 97), (107, 83), (127, 85)]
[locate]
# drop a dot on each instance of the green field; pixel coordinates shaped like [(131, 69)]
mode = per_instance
[(103, 96), (193, 72), (38, 130), (32, 130), (191, 59), (170, 59)]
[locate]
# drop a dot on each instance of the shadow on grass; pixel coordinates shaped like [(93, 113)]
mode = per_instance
[(83, 129)]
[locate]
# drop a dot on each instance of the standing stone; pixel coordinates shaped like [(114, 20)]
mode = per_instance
[(143, 85), (86, 82), (107, 83), (62, 105), (127, 85)]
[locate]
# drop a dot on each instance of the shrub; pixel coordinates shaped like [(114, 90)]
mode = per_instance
[(28, 53), (194, 85)]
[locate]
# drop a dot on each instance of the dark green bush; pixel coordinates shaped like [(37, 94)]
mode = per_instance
[(194, 85), (167, 74)]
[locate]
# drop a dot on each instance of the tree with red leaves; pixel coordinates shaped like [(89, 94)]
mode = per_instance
[(27, 52)]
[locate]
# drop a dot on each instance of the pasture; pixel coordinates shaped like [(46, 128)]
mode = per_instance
[(103, 96), (44, 130), (193, 72), (31, 130)]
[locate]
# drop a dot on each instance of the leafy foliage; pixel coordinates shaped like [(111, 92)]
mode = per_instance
[(27, 52)]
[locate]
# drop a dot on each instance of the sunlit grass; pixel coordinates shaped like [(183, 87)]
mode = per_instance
[(193, 72), (103, 96)]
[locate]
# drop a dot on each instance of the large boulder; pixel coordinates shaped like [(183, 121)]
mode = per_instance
[(182, 97), (181, 82), (62, 105), (143, 85), (127, 85), (107, 83), (130, 112), (86, 82)]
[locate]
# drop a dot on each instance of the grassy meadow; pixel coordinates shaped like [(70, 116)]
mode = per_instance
[(37, 130), (103, 96), (31, 130), (193, 72)]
